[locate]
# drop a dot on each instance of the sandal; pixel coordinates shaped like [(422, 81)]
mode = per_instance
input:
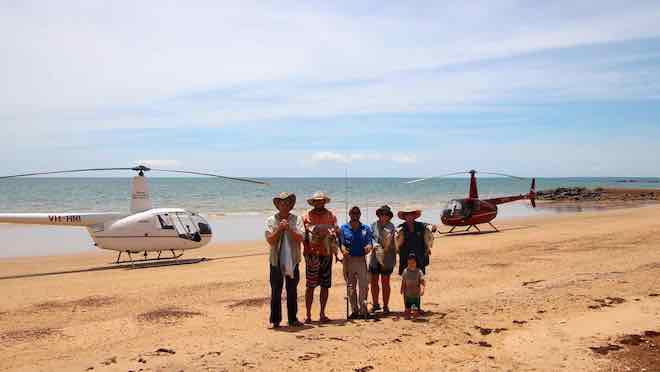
[(297, 323), (325, 319)]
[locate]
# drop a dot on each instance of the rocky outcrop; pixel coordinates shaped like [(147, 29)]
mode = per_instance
[(597, 194)]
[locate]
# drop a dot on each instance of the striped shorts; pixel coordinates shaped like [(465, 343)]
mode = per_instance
[(318, 271)]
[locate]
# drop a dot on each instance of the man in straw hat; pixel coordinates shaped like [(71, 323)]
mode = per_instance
[(284, 233), (320, 244), (413, 237), (383, 257)]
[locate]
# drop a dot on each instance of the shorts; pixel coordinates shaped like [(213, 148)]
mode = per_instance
[(410, 300), (318, 271), (377, 268)]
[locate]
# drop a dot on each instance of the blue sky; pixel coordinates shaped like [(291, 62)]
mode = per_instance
[(384, 89)]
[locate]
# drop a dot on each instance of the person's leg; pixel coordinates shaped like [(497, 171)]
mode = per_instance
[(352, 284), (276, 282), (385, 281), (324, 301), (312, 281), (309, 299), (407, 306), (416, 303), (374, 289), (325, 278), (363, 285), (292, 296)]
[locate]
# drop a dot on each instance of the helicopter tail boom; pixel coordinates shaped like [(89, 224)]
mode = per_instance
[(507, 199), (58, 219)]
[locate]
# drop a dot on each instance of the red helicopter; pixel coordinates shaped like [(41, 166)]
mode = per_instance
[(473, 211)]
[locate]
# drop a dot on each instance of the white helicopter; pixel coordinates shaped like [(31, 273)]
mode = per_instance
[(145, 229)]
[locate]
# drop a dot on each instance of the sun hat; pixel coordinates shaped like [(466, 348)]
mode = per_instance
[(409, 209), (319, 195), (284, 196), (385, 209)]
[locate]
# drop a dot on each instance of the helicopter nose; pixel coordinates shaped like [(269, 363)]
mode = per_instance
[(205, 227)]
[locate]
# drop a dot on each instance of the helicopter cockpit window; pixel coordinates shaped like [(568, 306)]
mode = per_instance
[(186, 228), (455, 207), (165, 222)]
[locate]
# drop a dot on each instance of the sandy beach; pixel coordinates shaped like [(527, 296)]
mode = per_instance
[(536, 296)]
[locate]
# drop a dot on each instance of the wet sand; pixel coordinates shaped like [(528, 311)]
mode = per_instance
[(537, 296)]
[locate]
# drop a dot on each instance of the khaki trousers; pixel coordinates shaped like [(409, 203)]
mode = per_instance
[(356, 276)]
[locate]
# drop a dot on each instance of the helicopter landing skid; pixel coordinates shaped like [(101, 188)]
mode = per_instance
[(145, 259), (495, 229)]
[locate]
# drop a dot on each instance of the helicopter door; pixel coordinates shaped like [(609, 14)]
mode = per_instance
[(186, 228)]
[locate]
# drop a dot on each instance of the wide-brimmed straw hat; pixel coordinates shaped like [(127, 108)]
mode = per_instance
[(319, 195), (409, 209), (284, 196), (386, 210)]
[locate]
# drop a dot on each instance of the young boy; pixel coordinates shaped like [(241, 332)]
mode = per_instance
[(412, 286)]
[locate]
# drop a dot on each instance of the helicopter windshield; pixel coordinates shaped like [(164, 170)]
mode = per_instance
[(453, 208), (204, 227), (185, 227)]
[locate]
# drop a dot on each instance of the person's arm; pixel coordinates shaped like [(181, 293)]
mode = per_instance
[(370, 237), (399, 238), (343, 246), (422, 284), (273, 232), (403, 285), (335, 227), (428, 238), (375, 236), (298, 231)]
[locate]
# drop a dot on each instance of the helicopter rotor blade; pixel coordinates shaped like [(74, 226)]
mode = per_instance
[(65, 171), (139, 168), (428, 178), (212, 175), (503, 175)]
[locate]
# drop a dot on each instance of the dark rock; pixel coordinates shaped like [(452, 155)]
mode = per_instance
[(632, 340), (603, 350), (110, 361)]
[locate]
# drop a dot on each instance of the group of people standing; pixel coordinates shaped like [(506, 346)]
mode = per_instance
[(368, 254)]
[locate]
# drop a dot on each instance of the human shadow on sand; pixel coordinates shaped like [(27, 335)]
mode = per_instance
[(424, 316), (289, 329)]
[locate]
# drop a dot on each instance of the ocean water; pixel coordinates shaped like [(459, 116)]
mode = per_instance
[(237, 210), (225, 198)]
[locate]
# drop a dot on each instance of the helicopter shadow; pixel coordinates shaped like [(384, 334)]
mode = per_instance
[(483, 232), (128, 266)]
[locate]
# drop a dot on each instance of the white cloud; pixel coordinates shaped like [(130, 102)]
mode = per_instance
[(63, 57)]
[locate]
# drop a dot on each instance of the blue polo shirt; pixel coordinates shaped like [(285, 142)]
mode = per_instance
[(357, 240)]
